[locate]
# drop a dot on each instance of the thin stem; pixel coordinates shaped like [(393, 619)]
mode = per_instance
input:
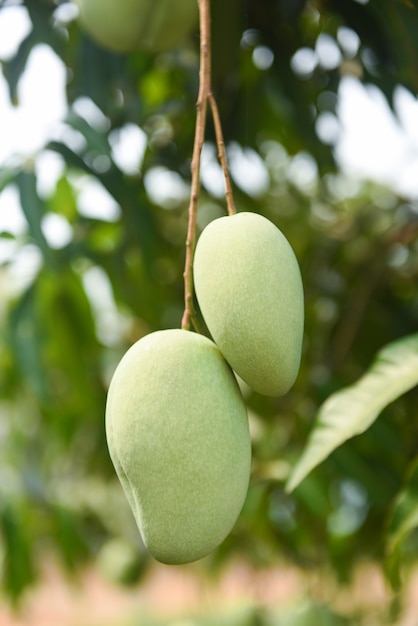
[(205, 95), (201, 111), (222, 154)]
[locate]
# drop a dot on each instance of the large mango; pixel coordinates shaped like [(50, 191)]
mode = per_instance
[(177, 432)]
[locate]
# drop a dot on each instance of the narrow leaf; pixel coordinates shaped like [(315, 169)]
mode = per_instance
[(96, 140), (14, 69), (18, 570), (27, 340), (41, 33), (112, 181), (7, 176), (33, 209), (353, 410), (402, 521), (404, 517)]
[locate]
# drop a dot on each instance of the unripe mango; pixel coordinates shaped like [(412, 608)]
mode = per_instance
[(178, 436), (249, 289), (126, 25)]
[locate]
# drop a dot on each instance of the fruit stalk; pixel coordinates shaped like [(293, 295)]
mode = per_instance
[(205, 96), (201, 110), (222, 154)]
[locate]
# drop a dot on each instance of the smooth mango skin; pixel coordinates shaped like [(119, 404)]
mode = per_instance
[(177, 432), (249, 289), (127, 25)]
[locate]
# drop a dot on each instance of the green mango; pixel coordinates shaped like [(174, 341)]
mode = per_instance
[(249, 288), (127, 25), (177, 432)]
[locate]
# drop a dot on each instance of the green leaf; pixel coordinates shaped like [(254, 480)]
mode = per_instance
[(96, 140), (71, 158), (112, 180), (404, 517), (402, 521), (33, 209), (14, 69), (353, 410), (97, 78), (18, 567), (7, 176), (68, 534), (27, 340), (63, 201), (41, 33)]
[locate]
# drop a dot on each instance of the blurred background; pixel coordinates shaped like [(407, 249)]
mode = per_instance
[(318, 101)]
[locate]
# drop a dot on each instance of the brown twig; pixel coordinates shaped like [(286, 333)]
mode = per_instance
[(222, 154), (201, 109), (204, 96)]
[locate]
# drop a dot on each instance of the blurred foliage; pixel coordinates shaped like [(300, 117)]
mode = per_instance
[(241, 614), (69, 311)]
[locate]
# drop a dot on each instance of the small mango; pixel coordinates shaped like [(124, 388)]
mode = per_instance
[(177, 432), (127, 25), (249, 289)]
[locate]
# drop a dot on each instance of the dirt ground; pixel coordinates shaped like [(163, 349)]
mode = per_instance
[(178, 591)]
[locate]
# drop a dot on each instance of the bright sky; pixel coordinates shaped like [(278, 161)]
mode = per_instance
[(370, 142)]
